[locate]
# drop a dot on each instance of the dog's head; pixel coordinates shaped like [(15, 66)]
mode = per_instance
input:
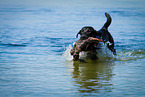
[(87, 32)]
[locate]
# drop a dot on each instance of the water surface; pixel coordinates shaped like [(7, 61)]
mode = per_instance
[(35, 36)]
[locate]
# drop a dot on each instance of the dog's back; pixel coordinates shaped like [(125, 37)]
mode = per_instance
[(105, 35)]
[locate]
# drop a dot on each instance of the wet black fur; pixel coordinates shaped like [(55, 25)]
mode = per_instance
[(83, 44), (103, 33)]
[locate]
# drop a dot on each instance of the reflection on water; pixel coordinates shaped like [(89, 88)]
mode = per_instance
[(92, 77)]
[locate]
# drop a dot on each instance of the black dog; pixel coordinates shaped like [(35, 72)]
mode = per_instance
[(89, 40)]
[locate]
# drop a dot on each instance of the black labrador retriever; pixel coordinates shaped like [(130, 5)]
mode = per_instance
[(90, 38)]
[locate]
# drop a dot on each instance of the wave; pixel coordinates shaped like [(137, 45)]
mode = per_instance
[(10, 44), (128, 13), (21, 9), (106, 55)]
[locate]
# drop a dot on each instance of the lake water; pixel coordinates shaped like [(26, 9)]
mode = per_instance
[(36, 36)]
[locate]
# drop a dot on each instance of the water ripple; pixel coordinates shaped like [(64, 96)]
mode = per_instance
[(15, 45), (128, 13)]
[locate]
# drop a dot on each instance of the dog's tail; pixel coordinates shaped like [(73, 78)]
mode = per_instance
[(108, 22)]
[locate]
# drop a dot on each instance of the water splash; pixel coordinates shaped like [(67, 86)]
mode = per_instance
[(127, 55), (102, 54), (105, 54), (67, 54)]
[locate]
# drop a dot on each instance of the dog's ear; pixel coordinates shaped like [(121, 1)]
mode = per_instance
[(78, 33)]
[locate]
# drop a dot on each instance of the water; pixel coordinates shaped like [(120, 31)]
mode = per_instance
[(36, 36)]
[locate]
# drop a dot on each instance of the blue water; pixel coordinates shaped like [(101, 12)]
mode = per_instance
[(36, 36)]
